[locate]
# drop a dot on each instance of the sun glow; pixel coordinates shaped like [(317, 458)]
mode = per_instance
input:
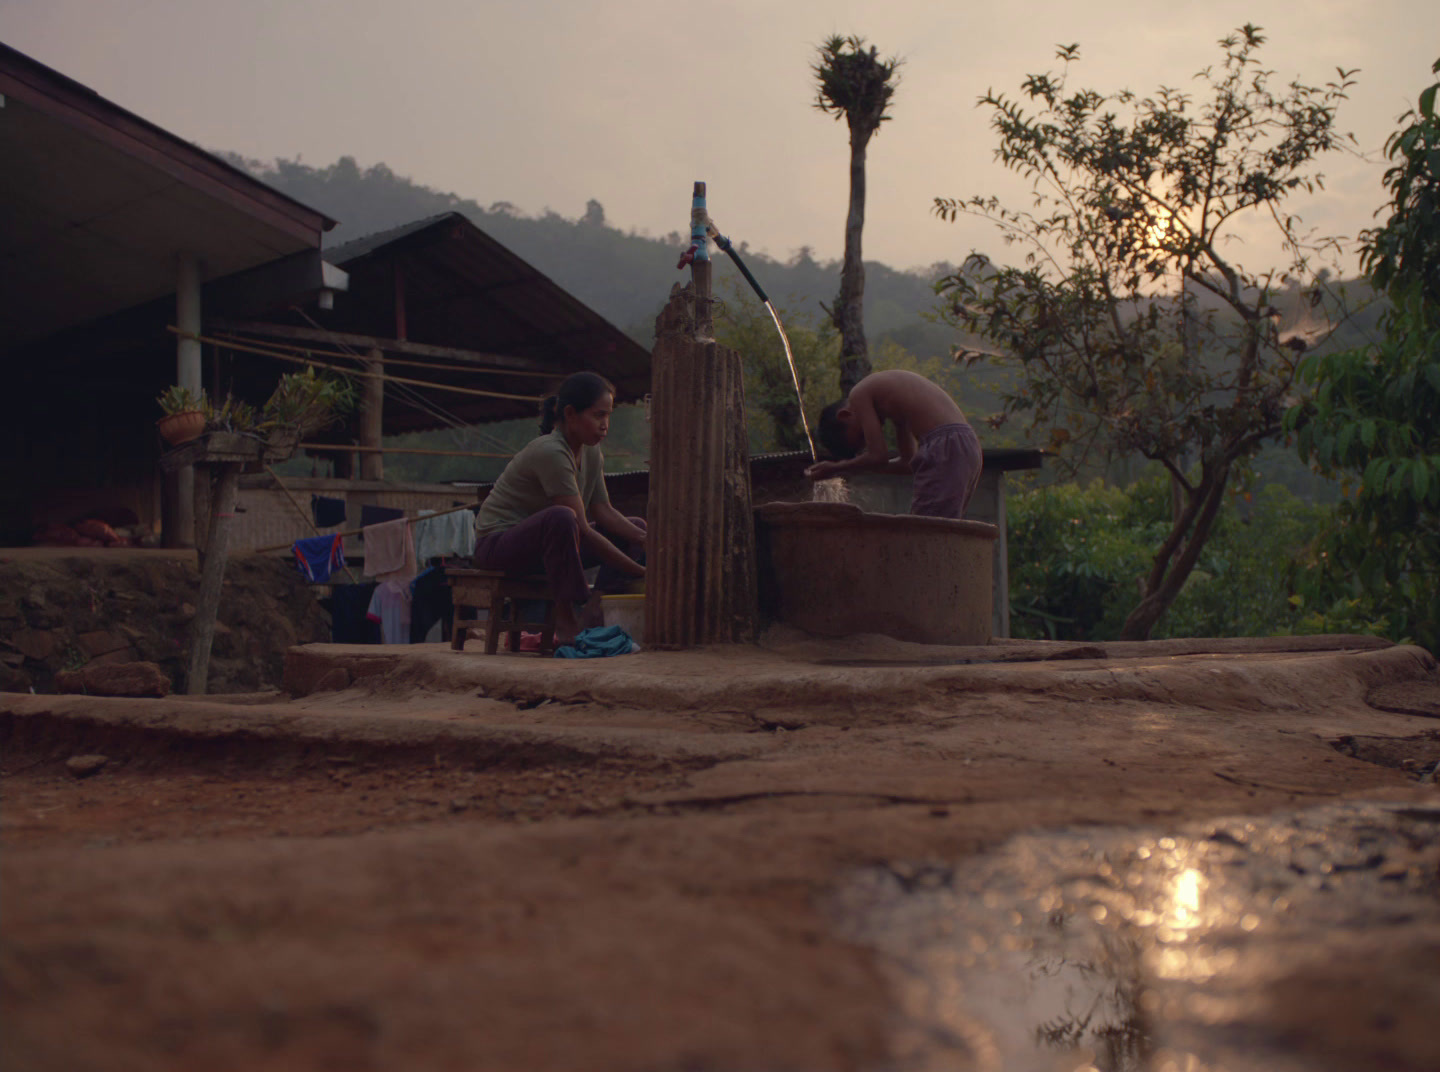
[(1158, 230)]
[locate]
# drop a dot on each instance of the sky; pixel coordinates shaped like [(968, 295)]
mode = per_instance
[(547, 104)]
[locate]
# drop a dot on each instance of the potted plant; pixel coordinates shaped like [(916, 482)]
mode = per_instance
[(233, 415), (184, 417), (303, 403)]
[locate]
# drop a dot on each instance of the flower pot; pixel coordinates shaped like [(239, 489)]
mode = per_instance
[(177, 428)]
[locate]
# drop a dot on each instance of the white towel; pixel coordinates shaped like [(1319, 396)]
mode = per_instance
[(390, 551)]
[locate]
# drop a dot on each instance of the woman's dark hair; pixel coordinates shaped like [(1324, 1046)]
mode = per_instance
[(831, 432), (581, 390)]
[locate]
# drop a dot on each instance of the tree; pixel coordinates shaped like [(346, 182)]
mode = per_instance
[(1375, 411), (853, 83), (1131, 329)]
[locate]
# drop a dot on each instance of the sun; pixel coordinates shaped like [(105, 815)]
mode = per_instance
[(1157, 231)]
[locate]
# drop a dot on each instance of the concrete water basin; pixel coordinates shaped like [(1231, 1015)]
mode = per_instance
[(834, 570)]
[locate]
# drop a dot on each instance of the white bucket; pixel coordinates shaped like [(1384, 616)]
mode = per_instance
[(628, 612)]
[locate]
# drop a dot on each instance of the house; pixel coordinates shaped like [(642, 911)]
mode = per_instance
[(464, 331), (133, 260), (114, 230)]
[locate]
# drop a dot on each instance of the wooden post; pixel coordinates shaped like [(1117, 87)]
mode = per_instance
[(212, 578), (700, 583), (205, 476), (372, 416), (218, 457)]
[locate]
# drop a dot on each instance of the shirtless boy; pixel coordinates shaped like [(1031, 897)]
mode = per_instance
[(936, 443)]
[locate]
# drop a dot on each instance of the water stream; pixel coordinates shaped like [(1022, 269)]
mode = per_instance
[(832, 490), (794, 377)]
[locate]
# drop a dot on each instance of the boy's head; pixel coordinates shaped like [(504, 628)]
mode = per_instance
[(838, 431)]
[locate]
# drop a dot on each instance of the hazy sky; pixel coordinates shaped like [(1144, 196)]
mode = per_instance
[(548, 103)]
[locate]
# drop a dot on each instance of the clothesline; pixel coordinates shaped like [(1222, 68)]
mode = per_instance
[(357, 532), (229, 343)]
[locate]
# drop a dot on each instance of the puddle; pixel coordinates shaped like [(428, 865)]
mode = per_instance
[(1240, 945)]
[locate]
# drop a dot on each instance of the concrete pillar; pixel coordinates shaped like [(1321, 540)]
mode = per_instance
[(178, 522), (1002, 561), (187, 320)]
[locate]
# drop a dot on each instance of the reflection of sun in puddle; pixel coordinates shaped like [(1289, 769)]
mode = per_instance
[(1121, 952)]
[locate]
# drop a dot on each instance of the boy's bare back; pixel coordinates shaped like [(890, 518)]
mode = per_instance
[(908, 400)]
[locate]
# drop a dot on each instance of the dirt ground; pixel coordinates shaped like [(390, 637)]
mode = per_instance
[(426, 860)]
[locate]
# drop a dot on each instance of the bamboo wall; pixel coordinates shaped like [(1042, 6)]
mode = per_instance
[(700, 573)]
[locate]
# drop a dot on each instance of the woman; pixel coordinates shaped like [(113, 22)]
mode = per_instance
[(547, 511)]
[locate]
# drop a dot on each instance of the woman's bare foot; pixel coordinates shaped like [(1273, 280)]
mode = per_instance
[(567, 624), (593, 616)]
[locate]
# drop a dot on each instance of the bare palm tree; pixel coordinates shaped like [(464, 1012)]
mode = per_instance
[(854, 83)]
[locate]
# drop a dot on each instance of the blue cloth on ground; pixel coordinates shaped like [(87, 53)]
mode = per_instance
[(598, 643), (328, 512), (319, 556)]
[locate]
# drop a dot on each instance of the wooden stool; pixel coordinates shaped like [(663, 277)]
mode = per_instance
[(501, 597)]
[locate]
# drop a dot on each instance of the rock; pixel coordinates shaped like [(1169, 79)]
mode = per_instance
[(69, 681), (100, 642), (13, 679), (85, 766), (37, 644), (126, 654), (115, 679)]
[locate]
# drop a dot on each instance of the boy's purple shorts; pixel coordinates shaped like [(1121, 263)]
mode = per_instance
[(947, 467)]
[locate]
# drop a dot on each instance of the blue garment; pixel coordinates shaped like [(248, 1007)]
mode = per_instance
[(598, 643), (319, 556), (328, 512)]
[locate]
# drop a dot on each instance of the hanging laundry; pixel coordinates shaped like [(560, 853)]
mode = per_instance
[(328, 512), (319, 556), (449, 535), (430, 602), (347, 604), (390, 551), (376, 515), (390, 606)]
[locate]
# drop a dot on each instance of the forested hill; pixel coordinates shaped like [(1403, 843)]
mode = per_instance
[(623, 276), (626, 277)]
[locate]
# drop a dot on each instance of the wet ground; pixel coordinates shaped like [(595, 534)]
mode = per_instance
[(1298, 940), (849, 855)]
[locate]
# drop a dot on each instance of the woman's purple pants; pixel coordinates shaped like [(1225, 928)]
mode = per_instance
[(548, 543)]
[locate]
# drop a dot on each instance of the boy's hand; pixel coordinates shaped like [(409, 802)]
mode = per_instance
[(822, 470)]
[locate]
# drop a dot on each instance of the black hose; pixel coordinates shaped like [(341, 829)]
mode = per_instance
[(724, 243)]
